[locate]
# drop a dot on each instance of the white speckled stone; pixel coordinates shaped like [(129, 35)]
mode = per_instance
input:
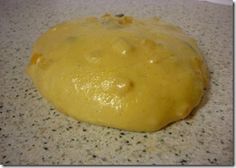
[(33, 133)]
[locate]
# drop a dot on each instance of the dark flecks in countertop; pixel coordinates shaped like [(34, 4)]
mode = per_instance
[(94, 156), (122, 133), (127, 141), (108, 133), (212, 161), (45, 148), (138, 142), (183, 162)]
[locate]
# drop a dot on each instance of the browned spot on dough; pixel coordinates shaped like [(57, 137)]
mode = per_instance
[(35, 57)]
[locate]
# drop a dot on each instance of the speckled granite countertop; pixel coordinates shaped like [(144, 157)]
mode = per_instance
[(32, 132)]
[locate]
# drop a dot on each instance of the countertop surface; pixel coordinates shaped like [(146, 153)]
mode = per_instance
[(32, 132)]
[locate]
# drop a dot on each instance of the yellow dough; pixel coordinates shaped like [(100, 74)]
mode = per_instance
[(121, 72)]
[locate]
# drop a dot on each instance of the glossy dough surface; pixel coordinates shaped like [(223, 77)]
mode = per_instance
[(137, 75)]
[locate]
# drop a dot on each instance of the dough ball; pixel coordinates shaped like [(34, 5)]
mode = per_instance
[(121, 72)]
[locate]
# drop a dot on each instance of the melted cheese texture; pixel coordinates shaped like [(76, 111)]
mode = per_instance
[(137, 75)]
